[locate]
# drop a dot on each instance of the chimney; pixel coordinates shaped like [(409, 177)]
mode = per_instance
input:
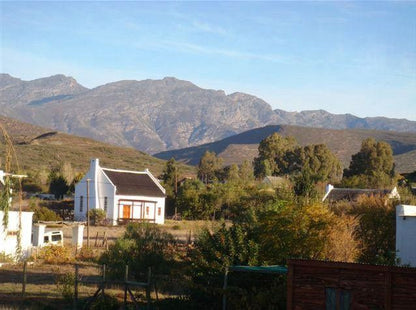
[(329, 188)]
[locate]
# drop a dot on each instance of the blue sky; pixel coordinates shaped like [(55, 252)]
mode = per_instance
[(343, 57)]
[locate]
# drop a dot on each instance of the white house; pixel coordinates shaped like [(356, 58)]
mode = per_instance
[(123, 195), (406, 234), (333, 194), (9, 234)]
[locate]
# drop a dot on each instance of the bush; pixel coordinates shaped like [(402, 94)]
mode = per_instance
[(143, 245), (65, 284), (105, 302), (86, 254), (42, 213), (97, 216), (55, 254)]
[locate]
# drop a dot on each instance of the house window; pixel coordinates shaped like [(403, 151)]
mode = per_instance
[(147, 210), (337, 299), (159, 211), (81, 203), (105, 203)]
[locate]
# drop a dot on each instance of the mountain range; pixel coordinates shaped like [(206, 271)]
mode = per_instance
[(158, 115), (343, 143)]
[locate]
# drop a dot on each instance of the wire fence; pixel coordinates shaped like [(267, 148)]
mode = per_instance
[(77, 286)]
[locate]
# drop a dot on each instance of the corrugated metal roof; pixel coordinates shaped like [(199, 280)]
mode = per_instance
[(260, 269)]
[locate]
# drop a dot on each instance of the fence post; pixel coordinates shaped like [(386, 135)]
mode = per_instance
[(126, 277), (104, 283), (224, 296), (24, 278), (149, 276), (76, 288)]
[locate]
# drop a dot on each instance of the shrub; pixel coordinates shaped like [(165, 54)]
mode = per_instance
[(105, 302), (6, 258), (143, 245), (65, 284), (55, 254), (42, 213), (86, 254), (97, 216)]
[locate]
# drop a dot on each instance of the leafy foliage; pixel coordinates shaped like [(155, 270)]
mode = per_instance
[(279, 156), (65, 284), (209, 167), (5, 197), (376, 230), (142, 246), (55, 254), (271, 159), (57, 184), (288, 230), (372, 166), (97, 216)]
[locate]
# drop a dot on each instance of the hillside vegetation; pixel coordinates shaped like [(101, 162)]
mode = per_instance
[(38, 148), (343, 143)]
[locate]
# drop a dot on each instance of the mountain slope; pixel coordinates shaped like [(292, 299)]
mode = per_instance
[(156, 115), (343, 143), (38, 148)]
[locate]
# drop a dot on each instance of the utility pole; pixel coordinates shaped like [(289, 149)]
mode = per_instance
[(88, 213)]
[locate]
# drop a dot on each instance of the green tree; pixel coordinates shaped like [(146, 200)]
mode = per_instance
[(246, 172), (209, 167), (290, 230), (233, 174), (189, 200), (376, 229), (170, 176), (143, 245), (271, 159), (372, 166), (57, 185)]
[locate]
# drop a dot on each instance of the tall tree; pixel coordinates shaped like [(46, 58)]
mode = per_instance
[(321, 163), (271, 158), (170, 176), (246, 171), (373, 165), (57, 185), (209, 166)]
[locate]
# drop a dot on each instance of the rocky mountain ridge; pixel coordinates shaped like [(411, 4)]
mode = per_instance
[(157, 115)]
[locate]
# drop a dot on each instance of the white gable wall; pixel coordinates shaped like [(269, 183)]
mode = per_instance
[(99, 188), (406, 234), (8, 237)]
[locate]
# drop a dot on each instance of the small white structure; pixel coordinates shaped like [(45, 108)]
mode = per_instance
[(77, 236), (406, 234), (123, 195), (9, 234)]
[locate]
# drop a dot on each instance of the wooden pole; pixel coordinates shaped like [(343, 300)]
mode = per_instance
[(224, 296), (76, 288), (24, 278), (88, 213), (96, 239), (104, 281), (149, 276), (126, 278)]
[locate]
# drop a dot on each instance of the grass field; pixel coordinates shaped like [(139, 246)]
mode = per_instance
[(42, 290)]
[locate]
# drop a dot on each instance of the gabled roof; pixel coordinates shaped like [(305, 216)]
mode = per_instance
[(352, 194), (131, 183)]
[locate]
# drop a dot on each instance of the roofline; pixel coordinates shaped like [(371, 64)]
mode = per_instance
[(155, 180), (128, 171)]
